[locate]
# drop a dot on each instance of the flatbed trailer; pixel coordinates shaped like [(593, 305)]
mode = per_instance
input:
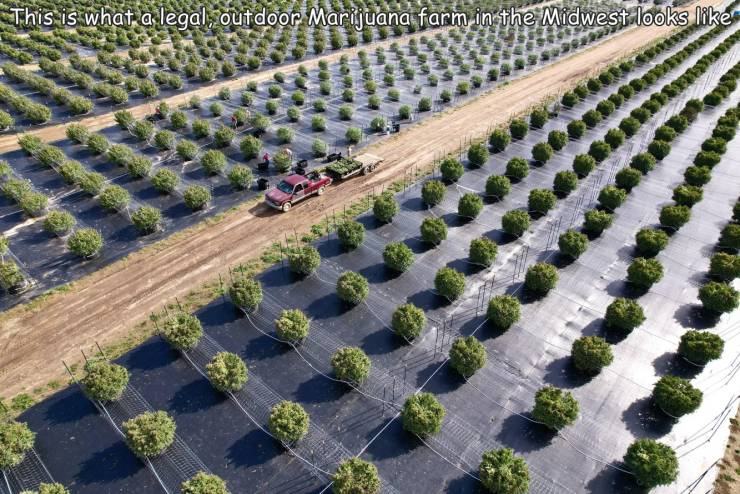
[(345, 168)]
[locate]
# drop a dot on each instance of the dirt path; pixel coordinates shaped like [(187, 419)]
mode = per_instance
[(104, 306)]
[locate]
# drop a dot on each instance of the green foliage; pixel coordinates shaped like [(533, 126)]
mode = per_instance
[(700, 347), (651, 241), (187, 150), (288, 422), (565, 182), (499, 140), (554, 407), (515, 222), (725, 266), (482, 251), (356, 476), (164, 140), (204, 483), (150, 433), (573, 243), (659, 149), (139, 166), (11, 276), (351, 364), (318, 148), (540, 201), (104, 381), (304, 260), (114, 197), (292, 325), (718, 297), (583, 164), (644, 272), (196, 197), (542, 152), (433, 192), (576, 129), (469, 205), (408, 321), (449, 283), (246, 293), (59, 222), (557, 139), (433, 230), (538, 118), (16, 439), (518, 128), (501, 472), (729, 237), (146, 219), (55, 488), (165, 180), (85, 242), (467, 355), (213, 161), (503, 311), (351, 234), (451, 169), (250, 147), (182, 330), (676, 396), (498, 186), (627, 178), (707, 159), (611, 197), (77, 133), (591, 354), (227, 372), (352, 287), (353, 135), (624, 314), (674, 216), (422, 414), (517, 168), (385, 207), (240, 177), (644, 162), (599, 150), (541, 277), (697, 176), (477, 154), (652, 463), (398, 256)]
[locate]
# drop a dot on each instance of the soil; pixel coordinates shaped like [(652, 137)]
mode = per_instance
[(728, 477), (104, 306)]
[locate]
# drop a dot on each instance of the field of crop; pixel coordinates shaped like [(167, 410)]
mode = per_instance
[(135, 183), (552, 309), (549, 311)]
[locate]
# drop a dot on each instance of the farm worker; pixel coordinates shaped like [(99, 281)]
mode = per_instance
[(289, 153), (233, 120), (349, 151), (266, 158)]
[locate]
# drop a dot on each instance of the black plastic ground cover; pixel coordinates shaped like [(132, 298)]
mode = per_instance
[(614, 405), (45, 259)]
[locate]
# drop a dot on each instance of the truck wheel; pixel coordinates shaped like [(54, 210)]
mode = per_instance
[(321, 190), (286, 207)]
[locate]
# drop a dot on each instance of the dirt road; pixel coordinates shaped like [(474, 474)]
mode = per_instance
[(104, 306)]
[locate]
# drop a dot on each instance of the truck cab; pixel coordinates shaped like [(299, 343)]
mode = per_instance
[(295, 188)]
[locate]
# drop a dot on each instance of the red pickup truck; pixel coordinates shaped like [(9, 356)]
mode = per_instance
[(294, 188)]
